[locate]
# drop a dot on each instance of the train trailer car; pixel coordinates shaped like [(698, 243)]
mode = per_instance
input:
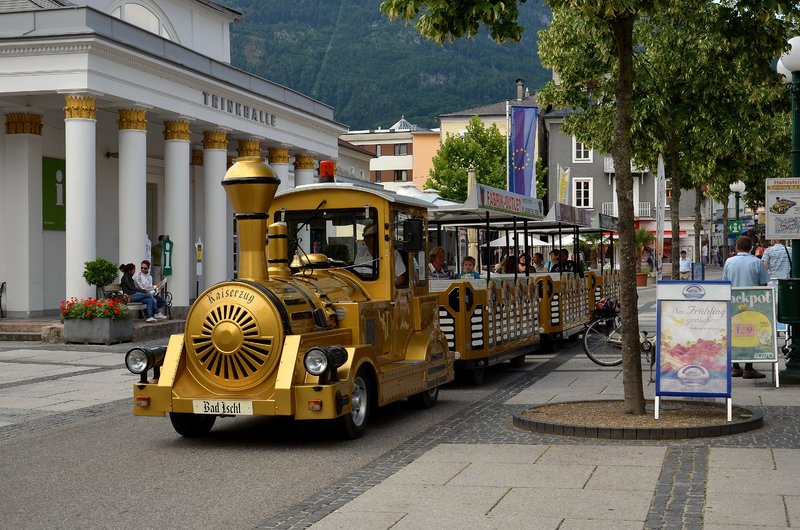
[(352, 328)]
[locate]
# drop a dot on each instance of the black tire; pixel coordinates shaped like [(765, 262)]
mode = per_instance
[(425, 400), (602, 341), (473, 376), (192, 425), (517, 362), (353, 424)]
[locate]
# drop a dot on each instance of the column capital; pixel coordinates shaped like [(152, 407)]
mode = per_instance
[(177, 130), (80, 107), (24, 123), (215, 140), (278, 155), (304, 162), (250, 147), (197, 157), (132, 119)]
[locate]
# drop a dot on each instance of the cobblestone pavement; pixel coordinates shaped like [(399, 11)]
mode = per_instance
[(677, 499)]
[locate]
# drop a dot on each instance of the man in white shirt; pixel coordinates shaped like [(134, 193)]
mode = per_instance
[(143, 280), (778, 260), (686, 266)]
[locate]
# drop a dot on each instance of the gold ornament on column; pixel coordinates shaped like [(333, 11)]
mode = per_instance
[(304, 162), (197, 157), (23, 123), (215, 140), (80, 107), (278, 155), (249, 148), (177, 130), (132, 119)]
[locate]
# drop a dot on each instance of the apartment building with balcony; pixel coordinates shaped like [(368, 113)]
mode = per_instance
[(402, 153), (592, 183)]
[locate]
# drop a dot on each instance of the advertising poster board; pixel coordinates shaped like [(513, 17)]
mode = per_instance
[(782, 203), (693, 353), (753, 336)]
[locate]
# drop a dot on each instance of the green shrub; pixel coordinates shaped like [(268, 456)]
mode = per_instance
[(100, 272)]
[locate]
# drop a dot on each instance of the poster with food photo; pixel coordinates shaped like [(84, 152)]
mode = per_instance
[(693, 350), (753, 336)]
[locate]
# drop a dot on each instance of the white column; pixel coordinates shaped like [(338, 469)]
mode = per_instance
[(215, 223), (80, 193), (22, 263), (278, 158), (176, 211), (303, 170), (132, 185)]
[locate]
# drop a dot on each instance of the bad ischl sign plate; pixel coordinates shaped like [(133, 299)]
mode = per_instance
[(227, 407)]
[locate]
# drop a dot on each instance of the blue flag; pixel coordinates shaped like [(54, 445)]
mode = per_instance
[(522, 173)]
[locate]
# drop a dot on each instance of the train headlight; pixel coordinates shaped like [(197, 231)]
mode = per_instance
[(316, 361), (319, 360), (140, 360)]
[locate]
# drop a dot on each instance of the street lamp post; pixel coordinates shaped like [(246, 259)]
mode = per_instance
[(789, 66), (737, 188)]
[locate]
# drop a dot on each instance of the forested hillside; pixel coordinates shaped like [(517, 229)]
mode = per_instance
[(345, 53)]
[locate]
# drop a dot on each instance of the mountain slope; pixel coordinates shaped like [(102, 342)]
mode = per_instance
[(346, 54)]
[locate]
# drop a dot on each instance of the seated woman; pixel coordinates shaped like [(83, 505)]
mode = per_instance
[(522, 264), (135, 294), (437, 270)]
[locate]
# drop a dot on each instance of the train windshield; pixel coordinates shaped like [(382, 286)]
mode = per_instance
[(348, 237)]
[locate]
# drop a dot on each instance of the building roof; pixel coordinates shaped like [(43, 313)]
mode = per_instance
[(353, 147), (494, 109), (30, 5)]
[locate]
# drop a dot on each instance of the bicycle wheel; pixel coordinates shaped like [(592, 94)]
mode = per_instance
[(602, 341)]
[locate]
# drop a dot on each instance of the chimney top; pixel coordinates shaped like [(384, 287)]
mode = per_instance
[(520, 89)]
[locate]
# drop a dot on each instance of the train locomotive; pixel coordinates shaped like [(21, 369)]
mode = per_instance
[(349, 326)]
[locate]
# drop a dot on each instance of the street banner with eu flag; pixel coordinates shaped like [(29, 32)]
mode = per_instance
[(522, 173)]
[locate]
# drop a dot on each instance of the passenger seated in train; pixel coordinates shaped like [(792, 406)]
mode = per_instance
[(437, 269), (538, 262), (468, 268)]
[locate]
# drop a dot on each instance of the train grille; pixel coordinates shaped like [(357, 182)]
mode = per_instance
[(447, 323), (230, 350)]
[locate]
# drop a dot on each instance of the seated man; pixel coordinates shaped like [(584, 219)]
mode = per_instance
[(144, 281)]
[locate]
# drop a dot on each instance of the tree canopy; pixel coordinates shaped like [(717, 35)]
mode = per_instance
[(481, 148)]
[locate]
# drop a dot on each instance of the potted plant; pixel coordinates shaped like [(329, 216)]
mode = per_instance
[(100, 273), (97, 321)]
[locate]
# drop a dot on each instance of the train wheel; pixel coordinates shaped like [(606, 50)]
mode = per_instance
[(517, 362), (192, 425), (473, 376), (425, 400), (353, 425)]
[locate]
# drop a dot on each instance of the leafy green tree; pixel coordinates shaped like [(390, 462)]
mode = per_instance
[(481, 148)]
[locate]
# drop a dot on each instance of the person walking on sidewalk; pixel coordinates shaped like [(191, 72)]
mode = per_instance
[(745, 270), (686, 266), (778, 260)]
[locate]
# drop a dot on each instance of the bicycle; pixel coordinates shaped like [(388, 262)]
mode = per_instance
[(602, 338)]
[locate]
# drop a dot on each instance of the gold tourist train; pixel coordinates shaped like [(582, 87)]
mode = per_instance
[(337, 315)]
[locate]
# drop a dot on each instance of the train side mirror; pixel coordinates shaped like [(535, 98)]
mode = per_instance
[(413, 230)]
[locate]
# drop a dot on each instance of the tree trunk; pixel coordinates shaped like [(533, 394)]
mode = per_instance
[(698, 223), (622, 28), (674, 208), (725, 248)]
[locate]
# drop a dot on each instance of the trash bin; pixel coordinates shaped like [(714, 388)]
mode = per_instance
[(698, 272), (788, 308)]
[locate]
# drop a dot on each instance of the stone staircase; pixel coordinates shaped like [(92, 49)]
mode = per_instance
[(52, 331)]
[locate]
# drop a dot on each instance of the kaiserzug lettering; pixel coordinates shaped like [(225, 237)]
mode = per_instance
[(239, 294)]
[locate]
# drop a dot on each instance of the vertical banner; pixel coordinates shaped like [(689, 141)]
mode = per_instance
[(563, 184), (54, 212), (661, 206), (522, 173), (693, 352)]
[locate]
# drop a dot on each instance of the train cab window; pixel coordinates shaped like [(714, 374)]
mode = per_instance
[(347, 237), (406, 260)]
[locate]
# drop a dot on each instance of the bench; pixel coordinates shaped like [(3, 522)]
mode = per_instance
[(114, 290)]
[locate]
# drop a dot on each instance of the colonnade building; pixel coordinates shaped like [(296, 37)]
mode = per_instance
[(121, 118)]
